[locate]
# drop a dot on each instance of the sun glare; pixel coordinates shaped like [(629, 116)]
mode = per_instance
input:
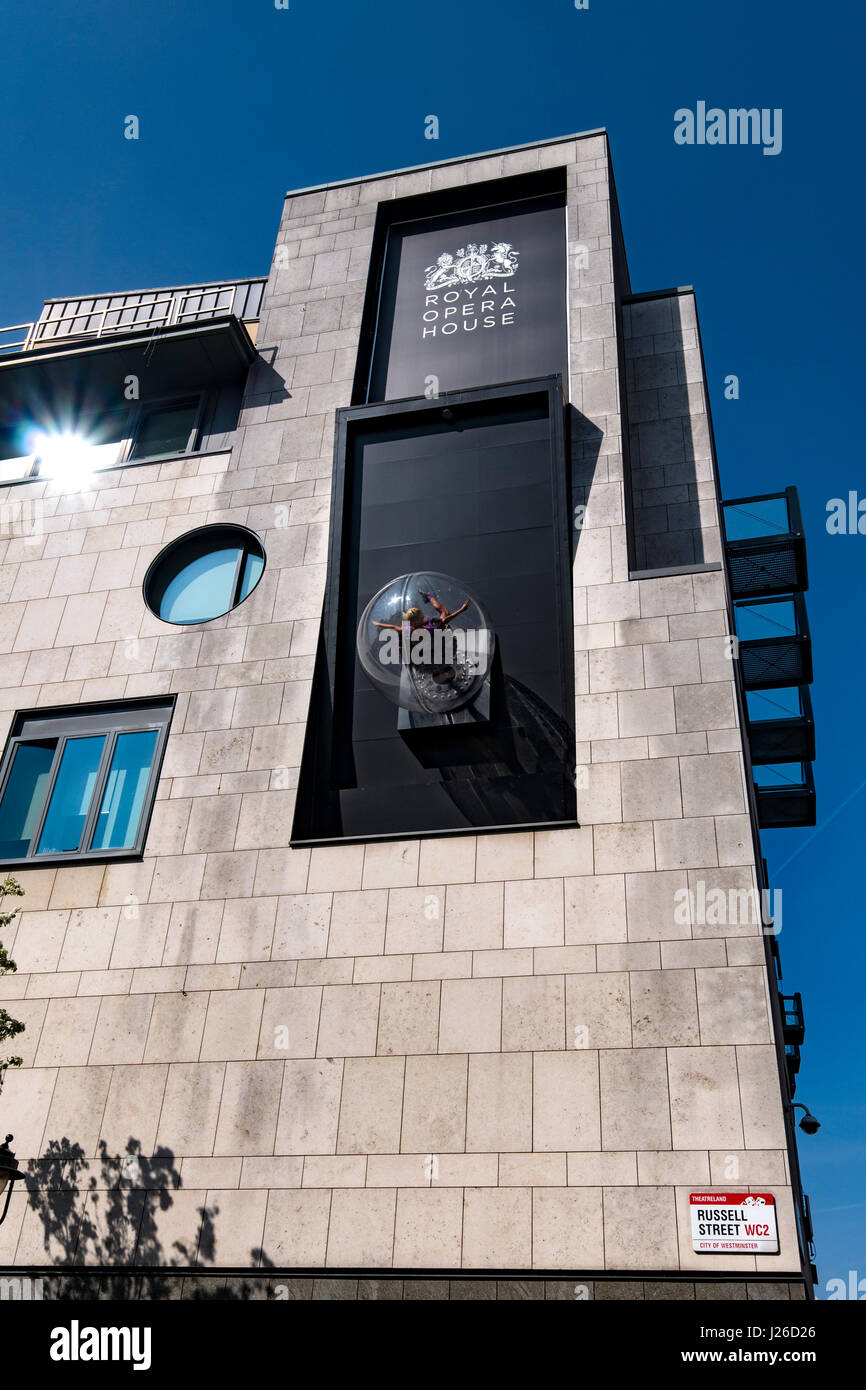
[(65, 455)]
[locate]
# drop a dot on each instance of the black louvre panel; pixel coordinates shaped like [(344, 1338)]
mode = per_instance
[(781, 808), (764, 567), (782, 741), (778, 661)]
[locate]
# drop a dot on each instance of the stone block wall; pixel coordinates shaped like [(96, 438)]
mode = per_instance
[(675, 515), (511, 1056)]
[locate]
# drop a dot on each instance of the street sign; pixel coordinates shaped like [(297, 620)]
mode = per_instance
[(734, 1223)]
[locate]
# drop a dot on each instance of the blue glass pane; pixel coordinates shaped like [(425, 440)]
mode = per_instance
[(203, 589), (253, 566), (758, 621), (774, 704), (766, 518), (22, 800), (123, 798), (783, 775), (70, 799)]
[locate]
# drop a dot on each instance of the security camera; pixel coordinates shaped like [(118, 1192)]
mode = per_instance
[(448, 413), (808, 1124)]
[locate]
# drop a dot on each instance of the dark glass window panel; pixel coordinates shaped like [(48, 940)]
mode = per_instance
[(11, 443), (164, 431), (110, 427), (24, 795), (123, 799), (482, 500), (71, 796)]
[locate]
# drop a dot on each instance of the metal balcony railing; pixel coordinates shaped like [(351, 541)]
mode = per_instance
[(794, 1026), (793, 1034), (775, 648), (781, 728), (20, 341), (785, 795), (765, 544), (99, 315)]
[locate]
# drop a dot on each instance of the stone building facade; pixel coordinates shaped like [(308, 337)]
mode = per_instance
[(502, 1066)]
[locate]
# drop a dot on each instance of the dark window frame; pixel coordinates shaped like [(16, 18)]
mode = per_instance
[(352, 421), (196, 541), (144, 409), (65, 722)]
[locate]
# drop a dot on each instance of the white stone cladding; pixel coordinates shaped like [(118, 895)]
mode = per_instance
[(432, 1110)]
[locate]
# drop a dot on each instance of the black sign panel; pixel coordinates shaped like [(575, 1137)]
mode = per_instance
[(472, 299), (477, 494)]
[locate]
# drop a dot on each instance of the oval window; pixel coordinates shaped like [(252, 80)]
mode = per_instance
[(204, 574)]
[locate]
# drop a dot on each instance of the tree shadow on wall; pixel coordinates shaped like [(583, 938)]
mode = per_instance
[(102, 1213)]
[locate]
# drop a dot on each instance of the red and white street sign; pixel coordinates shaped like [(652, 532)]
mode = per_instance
[(734, 1223)]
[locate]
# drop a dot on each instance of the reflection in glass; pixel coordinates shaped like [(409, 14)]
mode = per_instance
[(203, 589), (755, 621), (70, 799), (22, 800), (123, 799), (784, 703), (165, 432), (760, 516), (780, 775), (253, 566)]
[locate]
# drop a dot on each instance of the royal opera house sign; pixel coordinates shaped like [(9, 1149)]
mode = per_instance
[(472, 299)]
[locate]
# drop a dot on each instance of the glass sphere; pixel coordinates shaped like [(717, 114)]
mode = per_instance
[(426, 642)]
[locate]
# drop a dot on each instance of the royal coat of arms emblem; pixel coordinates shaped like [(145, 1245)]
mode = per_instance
[(471, 264)]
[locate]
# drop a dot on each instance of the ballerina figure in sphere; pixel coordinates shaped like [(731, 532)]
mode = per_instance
[(417, 620)]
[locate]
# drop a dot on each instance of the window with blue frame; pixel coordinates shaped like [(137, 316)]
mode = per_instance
[(80, 783)]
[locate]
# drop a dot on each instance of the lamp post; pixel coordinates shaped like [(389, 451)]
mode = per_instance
[(9, 1173)]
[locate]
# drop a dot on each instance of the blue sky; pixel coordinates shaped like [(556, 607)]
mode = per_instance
[(238, 101)]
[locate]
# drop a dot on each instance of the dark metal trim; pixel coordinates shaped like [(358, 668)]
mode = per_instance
[(437, 834), (668, 571), (111, 342)]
